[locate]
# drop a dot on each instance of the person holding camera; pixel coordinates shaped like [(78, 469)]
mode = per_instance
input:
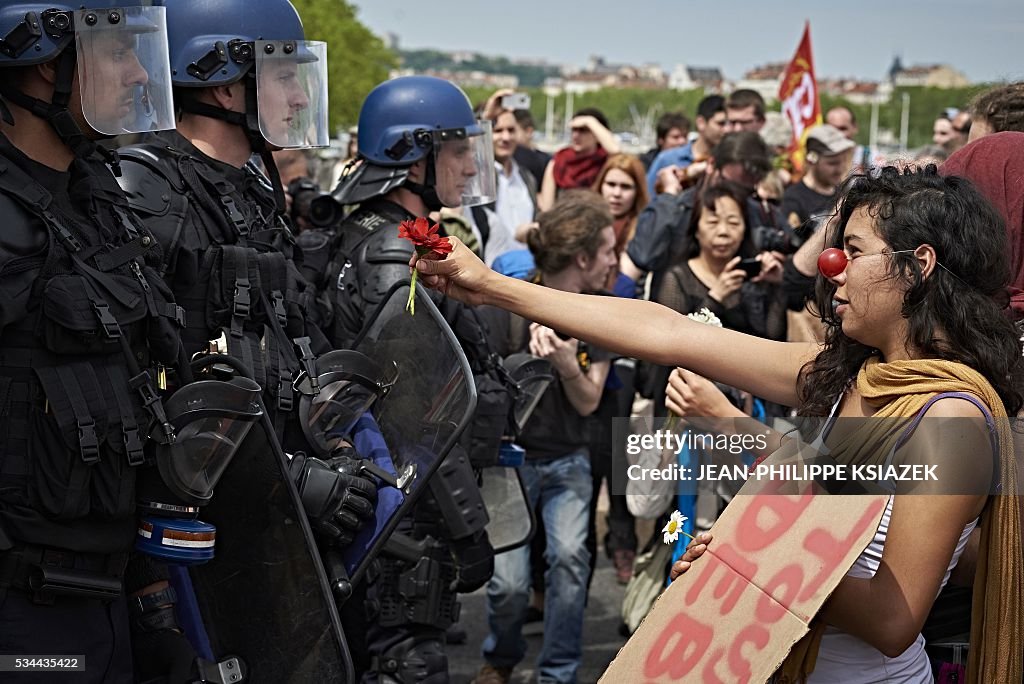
[(498, 225), (724, 272), (660, 239), (807, 205)]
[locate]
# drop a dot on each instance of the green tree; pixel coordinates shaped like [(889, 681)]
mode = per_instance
[(357, 60)]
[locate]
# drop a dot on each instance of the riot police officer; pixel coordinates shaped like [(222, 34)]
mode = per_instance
[(420, 148), (246, 82), (85, 326), (228, 249)]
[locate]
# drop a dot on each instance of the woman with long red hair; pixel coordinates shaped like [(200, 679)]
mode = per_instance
[(621, 182)]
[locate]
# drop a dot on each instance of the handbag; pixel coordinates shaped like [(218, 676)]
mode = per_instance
[(648, 498), (650, 571)]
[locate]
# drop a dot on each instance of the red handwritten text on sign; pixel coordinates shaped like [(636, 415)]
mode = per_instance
[(740, 609)]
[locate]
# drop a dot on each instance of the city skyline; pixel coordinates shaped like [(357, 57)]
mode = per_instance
[(983, 42)]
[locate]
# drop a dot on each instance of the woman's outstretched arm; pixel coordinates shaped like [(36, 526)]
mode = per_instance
[(633, 328)]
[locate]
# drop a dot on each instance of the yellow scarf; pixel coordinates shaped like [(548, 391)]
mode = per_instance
[(900, 389)]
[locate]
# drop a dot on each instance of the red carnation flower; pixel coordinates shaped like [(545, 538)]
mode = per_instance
[(426, 240), (424, 236)]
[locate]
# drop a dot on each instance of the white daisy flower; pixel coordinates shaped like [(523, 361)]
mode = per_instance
[(706, 317), (674, 527)]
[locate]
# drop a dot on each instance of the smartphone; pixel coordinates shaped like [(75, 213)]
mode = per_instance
[(751, 266), (516, 101)]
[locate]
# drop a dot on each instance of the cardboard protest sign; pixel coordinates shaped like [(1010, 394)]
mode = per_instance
[(779, 551)]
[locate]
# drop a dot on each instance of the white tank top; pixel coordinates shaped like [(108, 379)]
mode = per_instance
[(848, 659), (845, 658)]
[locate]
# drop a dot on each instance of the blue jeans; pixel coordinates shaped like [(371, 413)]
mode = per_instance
[(561, 491)]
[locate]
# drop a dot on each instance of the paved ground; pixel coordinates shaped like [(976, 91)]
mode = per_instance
[(601, 640), (600, 633)]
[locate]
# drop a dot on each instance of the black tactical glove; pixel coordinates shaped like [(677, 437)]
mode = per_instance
[(339, 500), (159, 648), (474, 562)]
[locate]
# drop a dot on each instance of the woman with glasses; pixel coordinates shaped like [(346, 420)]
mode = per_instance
[(912, 294)]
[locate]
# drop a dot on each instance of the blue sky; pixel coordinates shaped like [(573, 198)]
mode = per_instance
[(982, 38)]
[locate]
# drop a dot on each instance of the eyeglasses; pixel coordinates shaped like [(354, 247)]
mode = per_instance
[(834, 261), (579, 129)]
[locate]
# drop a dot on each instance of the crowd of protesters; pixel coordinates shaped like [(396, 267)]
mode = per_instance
[(712, 218)]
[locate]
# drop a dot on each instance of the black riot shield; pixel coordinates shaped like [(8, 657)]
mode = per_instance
[(429, 404), (265, 597)]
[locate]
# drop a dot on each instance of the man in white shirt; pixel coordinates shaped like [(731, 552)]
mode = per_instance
[(516, 203)]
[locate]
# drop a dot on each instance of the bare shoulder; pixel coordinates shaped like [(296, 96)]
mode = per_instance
[(955, 407), (954, 439)]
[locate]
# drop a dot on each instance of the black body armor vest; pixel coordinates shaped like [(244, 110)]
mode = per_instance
[(87, 324), (230, 261)]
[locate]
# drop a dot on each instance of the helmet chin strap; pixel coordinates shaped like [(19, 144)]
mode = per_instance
[(249, 121), (56, 112), (427, 194), (427, 191)]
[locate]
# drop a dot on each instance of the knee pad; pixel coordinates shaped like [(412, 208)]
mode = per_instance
[(413, 660)]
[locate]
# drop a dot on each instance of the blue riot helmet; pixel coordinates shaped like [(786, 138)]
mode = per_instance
[(120, 53), (421, 118), (220, 42)]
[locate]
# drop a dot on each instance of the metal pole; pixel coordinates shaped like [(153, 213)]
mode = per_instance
[(568, 113), (549, 124), (873, 134), (905, 122)]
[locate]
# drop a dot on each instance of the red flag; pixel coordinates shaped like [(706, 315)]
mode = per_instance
[(798, 94)]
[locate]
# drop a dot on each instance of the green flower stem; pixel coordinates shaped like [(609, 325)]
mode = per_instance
[(410, 305), (680, 530)]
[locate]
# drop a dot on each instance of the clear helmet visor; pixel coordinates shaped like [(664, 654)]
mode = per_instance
[(291, 90), (124, 73), (212, 418), (346, 385), (203, 450), (464, 172), (331, 414)]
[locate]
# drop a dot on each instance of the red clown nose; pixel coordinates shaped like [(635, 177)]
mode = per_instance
[(832, 262)]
